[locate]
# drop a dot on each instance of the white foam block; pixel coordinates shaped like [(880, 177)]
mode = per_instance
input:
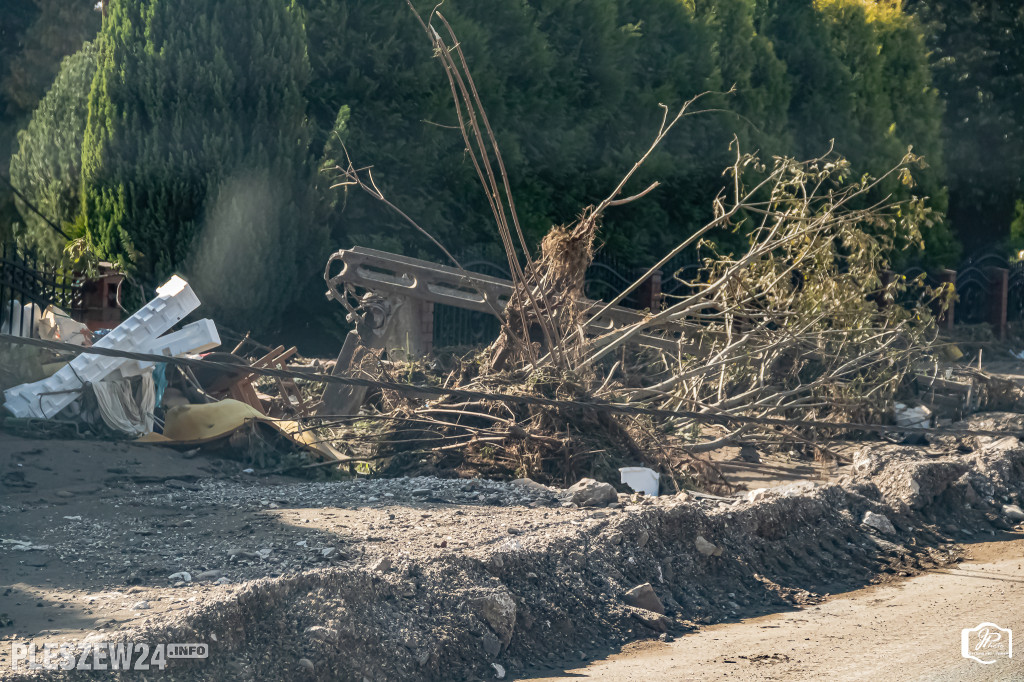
[(192, 338), (44, 399)]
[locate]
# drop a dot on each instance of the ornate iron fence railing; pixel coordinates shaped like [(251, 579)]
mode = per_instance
[(26, 281), (989, 288)]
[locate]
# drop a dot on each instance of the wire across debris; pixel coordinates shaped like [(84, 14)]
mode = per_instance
[(568, 405)]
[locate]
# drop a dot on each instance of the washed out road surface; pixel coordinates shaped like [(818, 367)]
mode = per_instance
[(428, 579), (900, 631)]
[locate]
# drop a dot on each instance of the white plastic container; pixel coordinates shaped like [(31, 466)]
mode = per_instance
[(641, 479)]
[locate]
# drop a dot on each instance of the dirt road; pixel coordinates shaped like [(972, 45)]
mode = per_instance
[(901, 631)]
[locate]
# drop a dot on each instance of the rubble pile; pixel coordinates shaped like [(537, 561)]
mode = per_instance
[(797, 326), (157, 402)]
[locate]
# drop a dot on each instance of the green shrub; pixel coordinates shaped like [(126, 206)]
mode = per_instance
[(195, 108), (47, 167), (572, 89)]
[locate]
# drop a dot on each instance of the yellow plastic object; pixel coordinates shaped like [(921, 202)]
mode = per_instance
[(154, 438), (198, 424), (206, 422)]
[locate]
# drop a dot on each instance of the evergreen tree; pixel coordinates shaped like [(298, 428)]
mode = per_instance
[(572, 88), (860, 76), (47, 166), (34, 36), (572, 91), (376, 59), (977, 49), (59, 29), (14, 20), (197, 152), (746, 60)]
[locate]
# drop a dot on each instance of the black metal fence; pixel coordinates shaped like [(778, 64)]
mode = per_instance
[(974, 283), (606, 278), (980, 287), (28, 286), (977, 277), (977, 283), (460, 327), (680, 273)]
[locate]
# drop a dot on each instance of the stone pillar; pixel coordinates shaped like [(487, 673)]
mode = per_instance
[(649, 293), (411, 331), (999, 296), (426, 326)]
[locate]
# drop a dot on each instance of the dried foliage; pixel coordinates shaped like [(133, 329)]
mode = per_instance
[(803, 324)]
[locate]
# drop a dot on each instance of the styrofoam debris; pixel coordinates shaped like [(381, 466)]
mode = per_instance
[(44, 399), (914, 417), (641, 480)]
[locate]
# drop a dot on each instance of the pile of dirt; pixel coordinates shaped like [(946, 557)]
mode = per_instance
[(434, 579)]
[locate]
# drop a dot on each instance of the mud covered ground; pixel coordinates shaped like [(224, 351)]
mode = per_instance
[(901, 630), (446, 579)]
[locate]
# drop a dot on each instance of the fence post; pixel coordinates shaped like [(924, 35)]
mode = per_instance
[(947, 318), (98, 307), (650, 292), (998, 299), (426, 309)]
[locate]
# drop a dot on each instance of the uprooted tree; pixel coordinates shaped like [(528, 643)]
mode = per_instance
[(802, 325)]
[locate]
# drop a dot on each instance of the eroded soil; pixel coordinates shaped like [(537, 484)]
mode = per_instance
[(905, 630), (444, 579)]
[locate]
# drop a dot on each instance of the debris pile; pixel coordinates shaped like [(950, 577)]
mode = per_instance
[(799, 327), (113, 395), (784, 341), (798, 324), (124, 405)]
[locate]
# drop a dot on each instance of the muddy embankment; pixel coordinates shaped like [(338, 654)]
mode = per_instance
[(547, 600)]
